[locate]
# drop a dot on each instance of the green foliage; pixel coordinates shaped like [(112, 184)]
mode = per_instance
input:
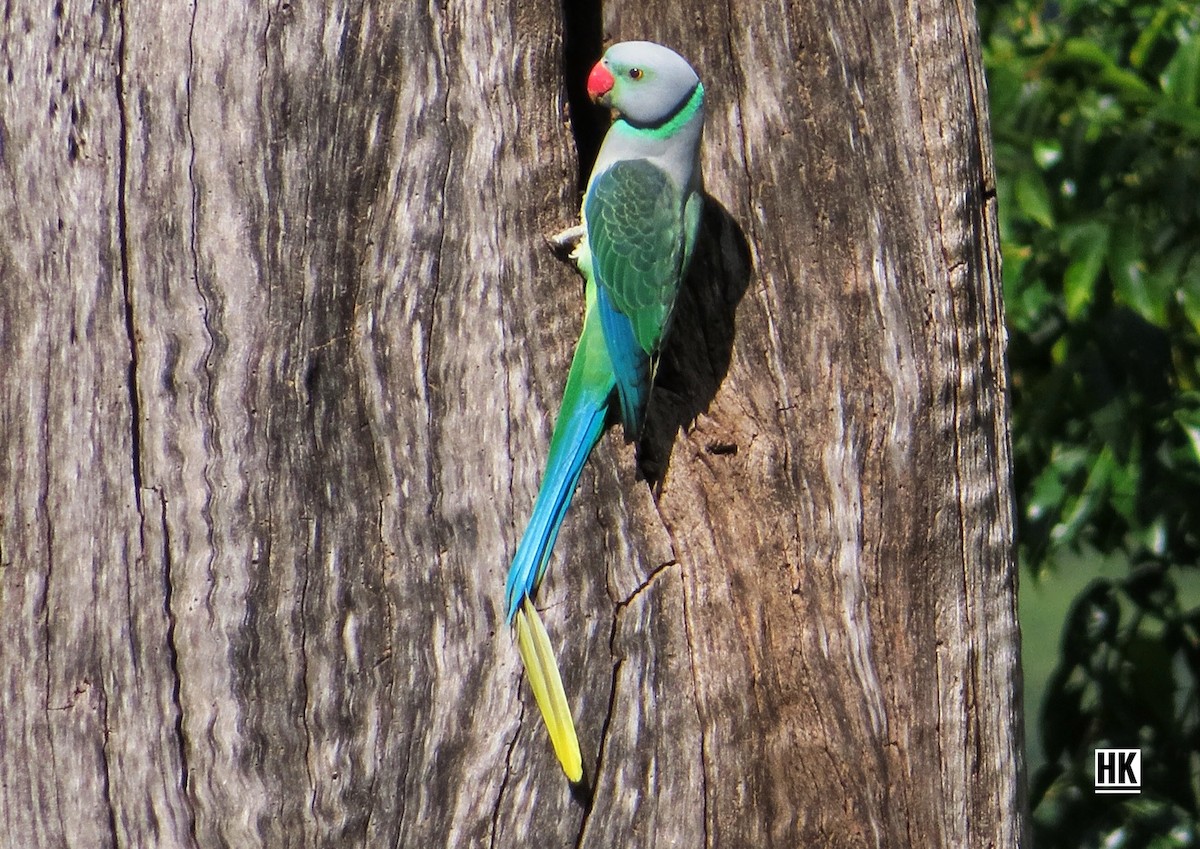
[(1126, 678), (1096, 116)]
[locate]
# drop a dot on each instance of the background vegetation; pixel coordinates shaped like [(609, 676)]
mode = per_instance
[(1096, 115)]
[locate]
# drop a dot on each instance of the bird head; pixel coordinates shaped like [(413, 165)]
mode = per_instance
[(643, 82)]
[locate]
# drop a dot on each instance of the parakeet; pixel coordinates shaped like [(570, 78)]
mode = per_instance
[(641, 213)]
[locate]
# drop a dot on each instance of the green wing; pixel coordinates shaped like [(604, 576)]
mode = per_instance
[(634, 218), (633, 215)]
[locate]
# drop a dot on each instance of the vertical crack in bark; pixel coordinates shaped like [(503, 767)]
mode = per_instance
[(703, 782), (506, 374), (445, 182), (433, 468), (310, 550), (265, 45), (106, 764), (135, 412), (389, 613), (211, 434), (739, 94), (168, 584), (193, 232), (608, 715), (400, 823), (43, 502), (691, 647), (622, 606), (194, 252), (512, 745)]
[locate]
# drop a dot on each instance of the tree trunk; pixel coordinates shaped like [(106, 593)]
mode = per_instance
[(282, 349)]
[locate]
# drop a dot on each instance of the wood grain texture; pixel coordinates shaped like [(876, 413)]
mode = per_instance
[(282, 350)]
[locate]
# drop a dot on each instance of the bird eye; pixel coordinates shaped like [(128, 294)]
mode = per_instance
[(635, 73)]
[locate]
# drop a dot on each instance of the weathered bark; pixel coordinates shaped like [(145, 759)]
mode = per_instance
[(282, 347)]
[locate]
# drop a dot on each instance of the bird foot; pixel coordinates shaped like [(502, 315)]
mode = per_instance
[(564, 242)]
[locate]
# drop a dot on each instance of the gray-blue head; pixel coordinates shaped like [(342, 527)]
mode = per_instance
[(644, 82)]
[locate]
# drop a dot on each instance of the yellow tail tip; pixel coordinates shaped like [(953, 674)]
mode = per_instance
[(547, 686)]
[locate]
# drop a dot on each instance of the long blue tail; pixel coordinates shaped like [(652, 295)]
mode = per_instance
[(580, 422)]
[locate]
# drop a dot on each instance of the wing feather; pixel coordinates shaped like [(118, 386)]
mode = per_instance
[(634, 216)]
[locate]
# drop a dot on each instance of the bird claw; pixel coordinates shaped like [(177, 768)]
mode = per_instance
[(565, 241)]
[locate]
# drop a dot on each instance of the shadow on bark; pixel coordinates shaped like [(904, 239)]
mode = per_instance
[(698, 351)]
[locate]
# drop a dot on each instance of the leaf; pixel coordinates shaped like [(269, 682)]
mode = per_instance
[(1091, 55), (1149, 36), (1004, 82), (1132, 285), (1185, 116), (1087, 246), (1047, 494), (1189, 421), (1033, 199), (1124, 488), (1188, 292), (1080, 508), (1180, 80)]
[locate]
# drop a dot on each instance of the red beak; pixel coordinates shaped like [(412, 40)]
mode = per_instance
[(599, 82)]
